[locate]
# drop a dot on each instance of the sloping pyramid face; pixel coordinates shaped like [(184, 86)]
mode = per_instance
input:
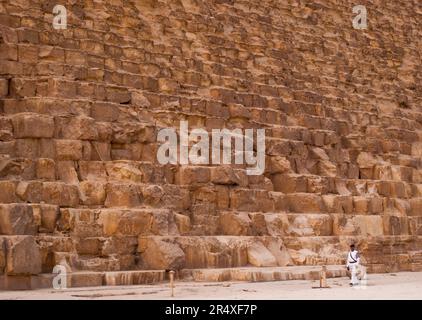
[(81, 109)]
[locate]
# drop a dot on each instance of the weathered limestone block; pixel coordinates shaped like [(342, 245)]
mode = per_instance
[(33, 125), (277, 224), (394, 225), (136, 222), (60, 194), (260, 256), (327, 168), (309, 225), (369, 225), (338, 204), (259, 225), (415, 225), (188, 175), (224, 175), (360, 205), (66, 172), (159, 253), (183, 223), (123, 222), (68, 149), (8, 192), (30, 191), (358, 225), (176, 198), (119, 245), (88, 246), (343, 225), (6, 127), (279, 251), (152, 194), (123, 171), (305, 202), (92, 170), (23, 256), (214, 252), (122, 195), (76, 128), (46, 169), (415, 207), (17, 219), (101, 151), (375, 205), (243, 200), (289, 183), (235, 224), (4, 88), (46, 217), (402, 206), (278, 164), (92, 192)]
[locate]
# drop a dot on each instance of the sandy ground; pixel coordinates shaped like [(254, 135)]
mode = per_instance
[(403, 285)]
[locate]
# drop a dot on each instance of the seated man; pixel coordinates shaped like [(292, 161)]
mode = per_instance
[(352, 265)]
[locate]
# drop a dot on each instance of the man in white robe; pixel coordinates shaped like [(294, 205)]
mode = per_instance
[(353, 261)]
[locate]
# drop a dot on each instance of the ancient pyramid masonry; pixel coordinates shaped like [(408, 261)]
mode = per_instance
[(81, 108)]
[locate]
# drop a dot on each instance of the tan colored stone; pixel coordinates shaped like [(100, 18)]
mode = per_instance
[(17, 219), (121, 195), (68, 149), (33, 125), (235, 224), (92, 192), (8, 192), (260, 256), (415, 206), (161, 254), (224, 175), (46, 217), (46, 169), (60, 194), (23, 256), (183, 223), (192, 174), (304, 202)]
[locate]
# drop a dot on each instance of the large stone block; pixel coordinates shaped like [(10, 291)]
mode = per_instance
[(33, 125), (122, 195), (76, 128), (235, 224), (415, 207), (92, 192), (192, 175), (260, 256), (60, 194), (8, 192), (224, 175), (17, 219), (161, 254), (305, 203), (46, 217), (45, 169), (68, 149), (30, 191), (23, 256)]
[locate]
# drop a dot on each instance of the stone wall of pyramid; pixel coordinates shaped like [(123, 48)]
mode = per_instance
[(80, 109)]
